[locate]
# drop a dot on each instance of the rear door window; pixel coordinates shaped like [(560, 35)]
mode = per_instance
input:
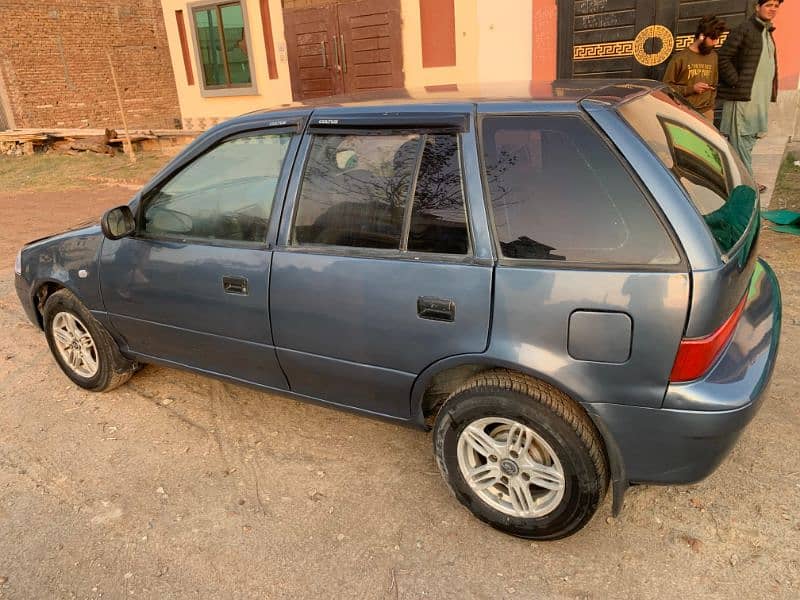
[(558, 192), (394, 191), (714, 179)]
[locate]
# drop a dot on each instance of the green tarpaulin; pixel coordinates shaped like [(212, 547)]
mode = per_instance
[(785, 221)]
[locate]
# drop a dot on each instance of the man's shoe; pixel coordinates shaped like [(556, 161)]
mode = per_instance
[(762, 188)]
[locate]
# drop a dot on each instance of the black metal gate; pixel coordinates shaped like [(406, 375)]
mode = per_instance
[(626, 38)]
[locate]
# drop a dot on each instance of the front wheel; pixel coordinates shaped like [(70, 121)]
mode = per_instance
[(521, 456), (82, 347)]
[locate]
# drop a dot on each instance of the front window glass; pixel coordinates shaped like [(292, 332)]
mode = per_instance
[(221, 37), (226, 194), (559, 193)]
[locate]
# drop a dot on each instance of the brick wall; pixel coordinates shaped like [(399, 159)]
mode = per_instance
[(53, 58)]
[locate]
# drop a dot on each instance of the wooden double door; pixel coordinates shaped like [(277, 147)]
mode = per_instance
[(630, 38), (344, 47)]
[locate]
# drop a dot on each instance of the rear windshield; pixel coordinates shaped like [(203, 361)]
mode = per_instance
[(716, 181)]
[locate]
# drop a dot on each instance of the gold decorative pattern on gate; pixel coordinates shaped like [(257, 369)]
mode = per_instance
[(636, 48), (651, 59), (684, 41), (605, 50)]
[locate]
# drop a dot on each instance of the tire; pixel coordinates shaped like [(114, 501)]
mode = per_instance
[(509, 433), (82, 347)]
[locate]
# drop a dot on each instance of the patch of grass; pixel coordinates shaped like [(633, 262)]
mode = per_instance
[(52, 171), (787, 186)]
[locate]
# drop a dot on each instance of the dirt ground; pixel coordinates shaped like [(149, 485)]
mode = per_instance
[(180, 486)]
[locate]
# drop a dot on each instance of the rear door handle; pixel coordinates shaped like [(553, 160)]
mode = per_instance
[(234, 285), (436, 309)]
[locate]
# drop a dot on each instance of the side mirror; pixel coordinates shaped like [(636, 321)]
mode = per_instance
[(118, 223)]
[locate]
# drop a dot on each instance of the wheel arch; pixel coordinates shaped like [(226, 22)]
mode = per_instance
[(42, 290), (432, 387)]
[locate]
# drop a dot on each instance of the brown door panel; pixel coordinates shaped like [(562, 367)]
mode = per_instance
[(309, 45), (370, 41)]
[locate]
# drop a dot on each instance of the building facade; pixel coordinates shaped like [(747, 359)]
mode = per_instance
[(56, 58), (233, 56)]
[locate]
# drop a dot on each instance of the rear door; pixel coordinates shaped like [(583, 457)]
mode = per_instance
[(376, 275)]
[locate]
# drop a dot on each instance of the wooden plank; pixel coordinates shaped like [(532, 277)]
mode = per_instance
[(187, 61), (314, 73), (269, 42), (376, 31), (368, 20), (311, 38), (362, 45), (314, 26), (312, 49), (372, 56), (382, 68), (372, 82), (310, 61), (316, 85)]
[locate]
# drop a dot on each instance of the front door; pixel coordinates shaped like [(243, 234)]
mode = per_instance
[(191, 286), (344, 48), (628, 39), (375, 278)]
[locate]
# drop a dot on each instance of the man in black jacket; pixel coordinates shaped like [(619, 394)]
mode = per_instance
[(748, 74)]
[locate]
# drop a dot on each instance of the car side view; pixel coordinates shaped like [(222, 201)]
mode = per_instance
[(565, 290)]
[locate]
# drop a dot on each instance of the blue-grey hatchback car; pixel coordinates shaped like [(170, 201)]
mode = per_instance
[(565, 289)]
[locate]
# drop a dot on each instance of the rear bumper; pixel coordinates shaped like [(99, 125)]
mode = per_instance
[(700, 421)]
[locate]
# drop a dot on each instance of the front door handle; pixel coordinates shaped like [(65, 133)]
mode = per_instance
[(234, 285), (436, 309)]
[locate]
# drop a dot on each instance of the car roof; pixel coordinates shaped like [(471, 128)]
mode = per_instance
[(566, 93)]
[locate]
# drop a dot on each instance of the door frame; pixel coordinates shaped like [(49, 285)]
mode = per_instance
[(456, 118)]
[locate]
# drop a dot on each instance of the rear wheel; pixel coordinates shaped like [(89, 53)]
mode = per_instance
[(521, 456), (82, 347)]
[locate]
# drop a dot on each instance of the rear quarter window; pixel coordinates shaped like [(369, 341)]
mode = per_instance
[(559, 192), (715, 180)]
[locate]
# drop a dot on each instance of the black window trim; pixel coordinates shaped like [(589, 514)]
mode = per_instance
[(275, 127), (384, 253), (570, 265), (404, 121)]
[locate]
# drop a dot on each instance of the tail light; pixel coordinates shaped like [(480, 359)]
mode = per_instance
[(696, 355)]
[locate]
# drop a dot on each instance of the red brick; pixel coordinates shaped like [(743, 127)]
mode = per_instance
[(53, 58)]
